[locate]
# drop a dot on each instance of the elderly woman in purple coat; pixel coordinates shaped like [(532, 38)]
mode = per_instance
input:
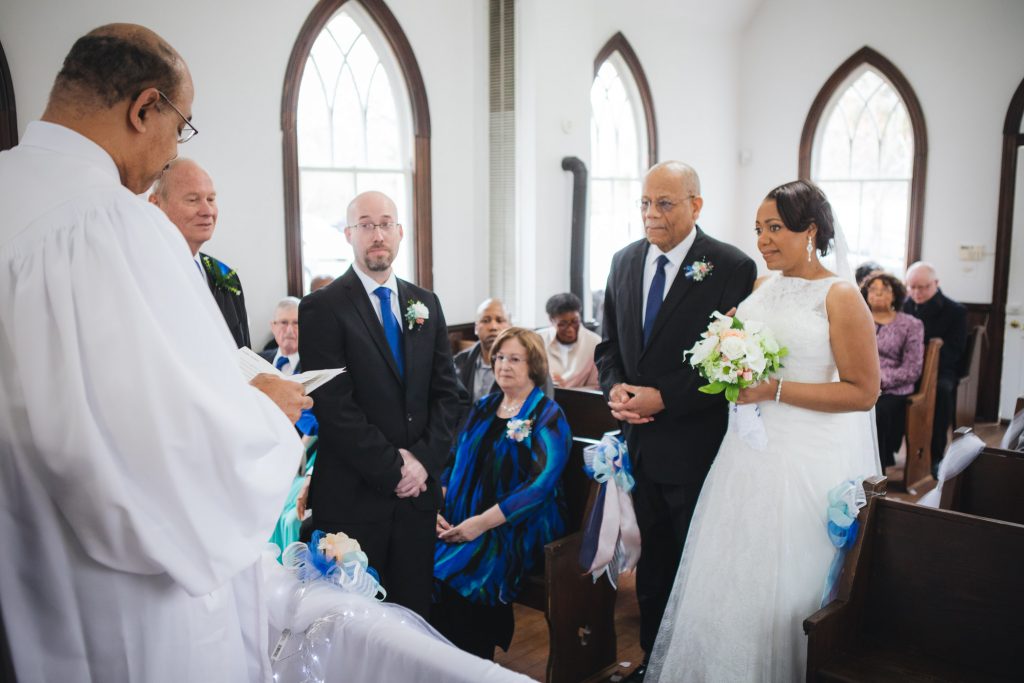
[(900, 355)]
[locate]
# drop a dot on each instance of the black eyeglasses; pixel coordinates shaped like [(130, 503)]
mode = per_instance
[(188, 131)]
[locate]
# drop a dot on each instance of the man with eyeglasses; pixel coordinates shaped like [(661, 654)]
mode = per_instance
[(141, 474), (386, 424), (945, 319), (657, 304), (185, 192), (569, 345)]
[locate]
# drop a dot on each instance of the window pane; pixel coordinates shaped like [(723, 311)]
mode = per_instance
[(350, 140), (864, 157), (618, 159)]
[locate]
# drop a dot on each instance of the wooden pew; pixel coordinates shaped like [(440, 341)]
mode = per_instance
[(579, 612), (587, 412), (920, 418), (967, 388), (992, 486), (926, 595)]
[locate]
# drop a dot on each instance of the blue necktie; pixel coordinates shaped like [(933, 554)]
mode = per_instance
[(655, 297), (281, 362), (392, 330)]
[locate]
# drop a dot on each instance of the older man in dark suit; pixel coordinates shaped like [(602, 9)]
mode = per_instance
[(385, 425), (656, 306)]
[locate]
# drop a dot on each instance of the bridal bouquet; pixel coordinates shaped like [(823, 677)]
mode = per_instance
[(733, 355)]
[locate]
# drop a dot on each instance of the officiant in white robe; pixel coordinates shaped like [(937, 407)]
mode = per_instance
[(140, 475)]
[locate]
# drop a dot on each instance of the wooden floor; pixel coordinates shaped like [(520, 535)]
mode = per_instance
[(528, 653)]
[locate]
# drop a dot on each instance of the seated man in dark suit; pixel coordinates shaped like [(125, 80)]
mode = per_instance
[(186, 194), (947, 320), (473, 365), (285, 328)]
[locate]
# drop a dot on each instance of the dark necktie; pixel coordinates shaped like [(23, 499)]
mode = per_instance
[(392, 330), (654, 298), (281, 362)]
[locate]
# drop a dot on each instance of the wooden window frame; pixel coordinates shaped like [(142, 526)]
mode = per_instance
[(1012, 148), (8, 115), (915, 219), (417, 93)]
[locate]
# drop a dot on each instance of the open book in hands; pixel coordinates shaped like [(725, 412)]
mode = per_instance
[(253, 364)]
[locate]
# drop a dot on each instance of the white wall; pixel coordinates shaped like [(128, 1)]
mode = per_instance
[(237, 51), (690, 64), (725, 76), (964, 61)]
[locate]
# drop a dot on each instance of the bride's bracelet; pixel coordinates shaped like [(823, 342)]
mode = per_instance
[(778, 391)]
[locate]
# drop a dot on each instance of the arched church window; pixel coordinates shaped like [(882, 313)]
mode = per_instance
[(355, 125), (623, 144), (865, 146), (8, 117)]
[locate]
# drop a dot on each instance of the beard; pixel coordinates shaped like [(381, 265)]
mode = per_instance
[(379, 263)]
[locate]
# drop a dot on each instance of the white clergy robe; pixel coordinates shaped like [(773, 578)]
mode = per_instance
[(140, 475)]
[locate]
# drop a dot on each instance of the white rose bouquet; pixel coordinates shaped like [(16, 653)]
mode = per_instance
[(734, 355)]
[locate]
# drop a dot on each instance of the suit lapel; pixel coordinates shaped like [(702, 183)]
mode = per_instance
[(361, 302), (409, 337), (634, 300), (681, 284)]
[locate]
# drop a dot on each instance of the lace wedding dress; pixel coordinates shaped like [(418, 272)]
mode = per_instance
[(758, 552)]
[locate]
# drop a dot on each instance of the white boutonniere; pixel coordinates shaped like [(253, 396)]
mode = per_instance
[(416, 313), (698, 270), (518, 429)]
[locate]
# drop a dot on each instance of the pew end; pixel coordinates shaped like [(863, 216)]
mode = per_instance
[(579, 611), (926, 595), (917, 470)]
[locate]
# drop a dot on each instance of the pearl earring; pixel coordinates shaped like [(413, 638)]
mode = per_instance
[(809, 248)]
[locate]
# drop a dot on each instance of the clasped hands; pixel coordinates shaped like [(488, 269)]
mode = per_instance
[(634, 404), (414, 476)]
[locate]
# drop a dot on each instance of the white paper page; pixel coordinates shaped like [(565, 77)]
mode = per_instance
[(253, 364)]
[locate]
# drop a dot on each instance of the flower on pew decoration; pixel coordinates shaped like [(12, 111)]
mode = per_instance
[(336, 559), (844, 504), (518, 430), (609, 459)]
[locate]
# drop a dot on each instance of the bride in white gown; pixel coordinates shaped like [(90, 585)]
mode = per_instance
[(757, 554)]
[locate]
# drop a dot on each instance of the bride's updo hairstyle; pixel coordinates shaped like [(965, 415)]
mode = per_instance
[(802, 204)]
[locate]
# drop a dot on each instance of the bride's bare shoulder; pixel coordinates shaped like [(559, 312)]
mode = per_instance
[(761, 280)]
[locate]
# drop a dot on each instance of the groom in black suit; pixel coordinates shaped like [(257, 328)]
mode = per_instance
[(660, 295), (385, 424)]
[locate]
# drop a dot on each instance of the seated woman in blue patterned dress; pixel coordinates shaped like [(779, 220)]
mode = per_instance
[(503, 499)]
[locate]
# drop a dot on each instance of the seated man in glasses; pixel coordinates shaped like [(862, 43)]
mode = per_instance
[(186, 194), (285, 328), (569, 345)]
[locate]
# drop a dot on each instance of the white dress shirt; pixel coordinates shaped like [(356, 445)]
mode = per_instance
[(675, 260), (370, 285), (289, 367)]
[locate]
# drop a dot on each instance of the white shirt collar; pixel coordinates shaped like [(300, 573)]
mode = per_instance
[(676, 254), (370, 284), (292, 358), (59, 138)]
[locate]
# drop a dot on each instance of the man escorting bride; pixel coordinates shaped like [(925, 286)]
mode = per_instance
[(757, 554)]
